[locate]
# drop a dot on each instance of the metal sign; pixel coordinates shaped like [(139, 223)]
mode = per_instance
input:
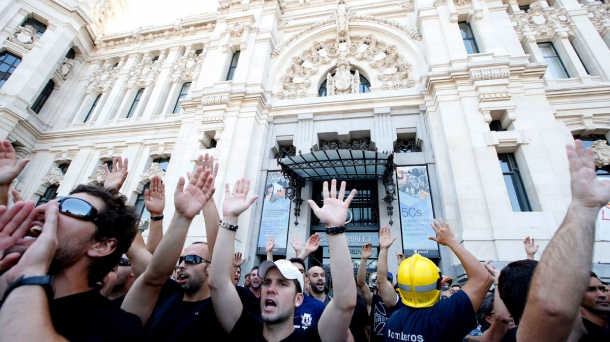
[(275, 214)]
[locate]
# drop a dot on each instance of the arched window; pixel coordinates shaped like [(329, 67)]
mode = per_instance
[(183, 92), (8, 64), (135, 102), (365, 85)]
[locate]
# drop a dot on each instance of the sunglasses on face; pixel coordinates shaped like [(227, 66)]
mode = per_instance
[(77, 208), (601, 289), (124, 262), (192, 260)]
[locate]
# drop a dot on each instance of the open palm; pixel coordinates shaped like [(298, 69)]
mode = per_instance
[(236, 202), (190, 199), (334, 210), (9, 166), (154, 198), (587, 189)]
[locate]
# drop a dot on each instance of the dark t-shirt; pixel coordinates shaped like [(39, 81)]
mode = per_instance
[(118, 301), (510, 336), (249, 328), (595, 332), (448, 320), (379, 316), (88, 316), (249, 300), (177, 320), (308, 313), (359, 321)]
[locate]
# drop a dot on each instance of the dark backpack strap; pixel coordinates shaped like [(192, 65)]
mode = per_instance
[(162, 310)]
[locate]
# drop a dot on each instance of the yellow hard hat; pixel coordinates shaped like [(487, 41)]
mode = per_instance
[(419, 282)]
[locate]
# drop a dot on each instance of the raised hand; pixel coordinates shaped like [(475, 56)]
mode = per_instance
[(14, 223), (444, 235), (237, 260), (313, 243), (297, 244), (207, 163), (236, 202), (116, 178), (10, 168), (154, 197), (493, 270), (400, 258), (16, 196), (270, 243), (530, 247), (367, 251), (385, 239), (334, 210), (191, 198), (587, 189)]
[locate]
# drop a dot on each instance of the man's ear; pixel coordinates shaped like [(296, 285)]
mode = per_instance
[(102, 248), (298, 300)]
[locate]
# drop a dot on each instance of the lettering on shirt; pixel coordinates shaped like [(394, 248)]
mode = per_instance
[(379, 318), (401, 336), (305, 320)]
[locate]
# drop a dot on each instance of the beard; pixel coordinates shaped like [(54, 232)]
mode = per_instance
[(314, 288), (63, 259)]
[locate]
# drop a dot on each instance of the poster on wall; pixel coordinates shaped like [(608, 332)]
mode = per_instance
[(603, 224), (276, 214), (416, 212)]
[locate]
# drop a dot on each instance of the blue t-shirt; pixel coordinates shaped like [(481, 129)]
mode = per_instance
[(308, 313), (448, 320)]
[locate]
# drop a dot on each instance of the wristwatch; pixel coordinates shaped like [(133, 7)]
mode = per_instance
[(45, 281), (335, 230), (229, 226)]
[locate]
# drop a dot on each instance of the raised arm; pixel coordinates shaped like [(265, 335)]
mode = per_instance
[(297, 245), (501, 316), (311, 246), (386, 290), (530, 247), (226, 301), (10, 168), (567, 257), (154, 201), (139, 256), (188, 200), (479, 279), (334, 323), (210, 211), (269, 247), (365, 292), (14, 224), (118, 175)]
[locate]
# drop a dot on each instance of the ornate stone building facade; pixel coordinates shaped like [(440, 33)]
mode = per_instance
[(482, 95)]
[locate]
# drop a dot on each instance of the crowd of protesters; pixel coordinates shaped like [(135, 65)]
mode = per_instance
[(77, 269)]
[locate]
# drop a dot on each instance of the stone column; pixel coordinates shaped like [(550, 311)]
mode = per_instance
[(384, 133), (304, 137)]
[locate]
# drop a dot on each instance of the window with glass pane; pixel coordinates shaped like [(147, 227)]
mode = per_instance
[(140, 207), (8, 64), (233, 66), (364, 87), (92, 108), (163, 163), (514, 183), (469, 42), (71, 54), (37, 25), (42, 98), (109, 164), (198, 52), (580, 59), (183, 92), (134, 104), (556, 67), (524, 8)]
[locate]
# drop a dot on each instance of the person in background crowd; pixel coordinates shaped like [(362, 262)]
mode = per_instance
[(424, 318), (455, 288), (317, 284), (237, 262), (124, 280), (445, 293), (247, 281), (308, 313), (283, 282), (595, 311), (251, 296)]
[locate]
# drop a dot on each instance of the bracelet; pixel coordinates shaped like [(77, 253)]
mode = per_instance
[(335, 230), (229, 226), (45, 281), (157, 218)]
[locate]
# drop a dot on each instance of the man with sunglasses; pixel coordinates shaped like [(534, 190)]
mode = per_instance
[(595, 311), (124, 280), (91, 229)]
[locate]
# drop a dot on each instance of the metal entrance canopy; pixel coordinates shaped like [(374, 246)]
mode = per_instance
[(338, 164)]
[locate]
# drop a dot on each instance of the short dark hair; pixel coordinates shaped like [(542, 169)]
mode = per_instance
[(254, 268), (486, 308), (298, 285), (514, 283), (299, 261), (458, 285), (116, 221)]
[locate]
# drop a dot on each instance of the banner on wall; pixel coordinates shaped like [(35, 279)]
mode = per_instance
[(416, 212), (276, 214)]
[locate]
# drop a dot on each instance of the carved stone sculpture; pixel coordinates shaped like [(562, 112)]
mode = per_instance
[(144, 74), (599, 14), (187, 68), (103, 79), (24, 36), (99, 176), (65, 67), (343, 82), (154, 170), (54, 177), (601, 153), (542, 23)]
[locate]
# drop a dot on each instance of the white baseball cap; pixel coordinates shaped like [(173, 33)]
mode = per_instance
[(286, 268)]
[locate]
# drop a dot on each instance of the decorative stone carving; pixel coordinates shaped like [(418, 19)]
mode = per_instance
[(144, 74), (99, 176), (24, 36), (152, 34), (215, 100), (460, 3), (103, 79), (343, 82), (143, 225), (237, 34), (439, 2), (64, 67), (154, 170), (407, 4), (406, 146), (489, 74), (187, 67), (102, 12), (54, 177), (601, 153), (354, 144), (413, 34), (541, 23), (599, 14)]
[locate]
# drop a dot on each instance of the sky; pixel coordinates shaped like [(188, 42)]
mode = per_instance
[(147, 13)]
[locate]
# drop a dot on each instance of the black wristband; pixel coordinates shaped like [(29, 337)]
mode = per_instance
[(229, 226), (157, 218), (45, 281), (335, 230)]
